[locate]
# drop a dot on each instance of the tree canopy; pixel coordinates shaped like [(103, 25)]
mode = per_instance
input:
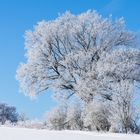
[(84, 55)]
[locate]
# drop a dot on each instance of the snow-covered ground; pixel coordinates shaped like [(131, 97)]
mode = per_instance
[(32, 134)]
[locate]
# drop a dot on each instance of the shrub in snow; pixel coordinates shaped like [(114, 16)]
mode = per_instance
[(97, 117), (31, 124), (56, 119)]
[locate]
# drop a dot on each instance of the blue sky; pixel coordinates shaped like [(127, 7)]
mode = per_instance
[(17, 16)]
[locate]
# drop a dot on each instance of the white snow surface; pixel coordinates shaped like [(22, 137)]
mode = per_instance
[(7, 133)]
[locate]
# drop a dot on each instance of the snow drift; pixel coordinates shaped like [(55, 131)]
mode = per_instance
[(7, 133)]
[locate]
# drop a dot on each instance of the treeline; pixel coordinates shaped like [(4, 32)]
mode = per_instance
[(75, 116), (93, 117)]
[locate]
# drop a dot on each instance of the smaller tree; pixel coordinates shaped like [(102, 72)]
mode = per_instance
[(8, 113), (56, 119), (122, 108), (96, 117), (74, 117), (22, 117)]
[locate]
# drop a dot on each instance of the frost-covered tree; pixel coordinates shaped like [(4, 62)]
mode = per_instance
[(123, 108), (74, 117), (22, 117), (97, 117), (82, 55), (8, 113), (56, 119)]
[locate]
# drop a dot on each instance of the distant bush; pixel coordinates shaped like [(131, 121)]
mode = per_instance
[(8, 114), (36, 124)]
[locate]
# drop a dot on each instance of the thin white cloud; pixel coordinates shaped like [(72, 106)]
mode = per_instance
[(113, 6)]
